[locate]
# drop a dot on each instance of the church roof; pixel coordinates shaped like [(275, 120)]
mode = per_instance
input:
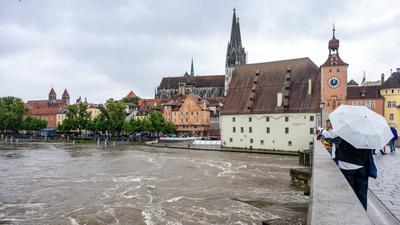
[(65, 93), (52, 92), (261, 91), (363, 92), (393, 81), (197, 81)]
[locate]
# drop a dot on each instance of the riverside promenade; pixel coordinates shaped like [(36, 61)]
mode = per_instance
[(386, 188)]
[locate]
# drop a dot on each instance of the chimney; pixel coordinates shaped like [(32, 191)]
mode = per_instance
[(382, 78), (278, 99), (309, 87)]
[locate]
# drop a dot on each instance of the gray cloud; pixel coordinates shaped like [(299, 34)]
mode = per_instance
[(102, 49)]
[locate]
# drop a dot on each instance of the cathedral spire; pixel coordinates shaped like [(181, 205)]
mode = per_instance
[(235, 52), (191, 68)]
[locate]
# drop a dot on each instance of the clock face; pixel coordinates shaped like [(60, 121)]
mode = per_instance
[(334, 82)]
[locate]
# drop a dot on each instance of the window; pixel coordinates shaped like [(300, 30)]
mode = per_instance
[(233, 119), (286, 130), (286, 119), (357, 103), (191, 113), (391, 104), (234, 129), (311, 118), (391, 116), (230, 140), (241, 129), (370, 104), (330, 70), (249, 119), (267, 118), (289, 143), (268, 130), (337, 70), (311, 130), (262, 142), (392, 91), (250, 130), (251, 140)]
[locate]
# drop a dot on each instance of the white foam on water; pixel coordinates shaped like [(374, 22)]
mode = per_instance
[(175, 199), (73, 221), (147, 217), (131, 179)]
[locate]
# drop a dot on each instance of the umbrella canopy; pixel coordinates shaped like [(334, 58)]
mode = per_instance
[(361, 127)]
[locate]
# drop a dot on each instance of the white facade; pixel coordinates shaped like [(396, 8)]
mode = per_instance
[(286, 131)]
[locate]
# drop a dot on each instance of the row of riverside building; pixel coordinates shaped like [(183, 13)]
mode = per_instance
[(267, 105)]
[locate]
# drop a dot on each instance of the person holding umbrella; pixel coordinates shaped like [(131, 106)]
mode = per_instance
[(393, 140), (356, 132)]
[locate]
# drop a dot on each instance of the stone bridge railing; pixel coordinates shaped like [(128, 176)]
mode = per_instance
[(332, 201)]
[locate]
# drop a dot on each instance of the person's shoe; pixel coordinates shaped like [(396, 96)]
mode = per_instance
[(383, 153)]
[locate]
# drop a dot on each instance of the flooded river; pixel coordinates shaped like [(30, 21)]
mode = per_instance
[(48, 183)]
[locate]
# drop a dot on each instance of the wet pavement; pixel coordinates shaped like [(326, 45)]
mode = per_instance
[(386, 187), (55, 183)]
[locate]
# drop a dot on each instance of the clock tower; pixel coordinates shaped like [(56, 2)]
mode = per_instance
[(333, 78)]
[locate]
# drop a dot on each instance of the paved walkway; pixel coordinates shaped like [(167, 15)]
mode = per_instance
[(386, 187)]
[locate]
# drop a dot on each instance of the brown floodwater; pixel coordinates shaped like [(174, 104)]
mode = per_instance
[(55, 183)]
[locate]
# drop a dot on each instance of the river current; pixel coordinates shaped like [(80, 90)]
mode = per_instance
[(55, 183)]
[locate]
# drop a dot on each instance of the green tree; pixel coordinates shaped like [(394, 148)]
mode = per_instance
[(156, 120), (33, 124), (12, 110), (111, 118), (131, 100), (116, 115), (77, 118), (168, 128)]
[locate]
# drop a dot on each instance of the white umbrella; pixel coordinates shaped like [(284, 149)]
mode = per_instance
[(361, 127)]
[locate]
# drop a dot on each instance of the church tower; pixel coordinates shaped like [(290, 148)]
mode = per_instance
[(52, 97), (333, 78), (65, 97), (235, 53)]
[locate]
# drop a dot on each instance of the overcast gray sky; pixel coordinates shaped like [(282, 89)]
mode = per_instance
[(105, 48)]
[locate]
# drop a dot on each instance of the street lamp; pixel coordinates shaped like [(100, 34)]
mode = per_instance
[(321, 107)]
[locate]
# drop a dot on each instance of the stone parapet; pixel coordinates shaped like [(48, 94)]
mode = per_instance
[(332, 199)]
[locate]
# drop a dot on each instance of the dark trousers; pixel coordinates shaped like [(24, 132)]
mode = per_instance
[(358, 180), (392, 144)]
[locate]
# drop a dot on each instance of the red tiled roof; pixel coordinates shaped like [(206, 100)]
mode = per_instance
[(37, 104), (65, 93), (249, 93), (131, 94), (44, 111), (52, 92), (149, 100)]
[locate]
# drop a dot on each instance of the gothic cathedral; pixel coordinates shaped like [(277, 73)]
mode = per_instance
[(235, 53)]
